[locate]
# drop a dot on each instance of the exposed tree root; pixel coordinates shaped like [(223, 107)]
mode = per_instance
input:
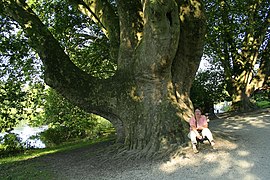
[(118, 153)]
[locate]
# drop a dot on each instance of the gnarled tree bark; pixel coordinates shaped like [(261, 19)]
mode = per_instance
[(157, 46)]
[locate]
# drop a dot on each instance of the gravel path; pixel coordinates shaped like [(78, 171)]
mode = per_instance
[(244, 155)]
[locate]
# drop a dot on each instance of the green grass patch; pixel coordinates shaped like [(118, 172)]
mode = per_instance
[(263, 104), (25, 167), (29, 154), (25, 170)]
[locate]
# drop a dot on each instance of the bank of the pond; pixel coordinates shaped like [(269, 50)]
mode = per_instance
[(65, 147)]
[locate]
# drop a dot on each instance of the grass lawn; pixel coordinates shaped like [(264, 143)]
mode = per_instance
[(23, 167), (263, 104), (25, 170)]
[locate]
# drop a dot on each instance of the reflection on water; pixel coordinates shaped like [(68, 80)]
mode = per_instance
[(25, 132)]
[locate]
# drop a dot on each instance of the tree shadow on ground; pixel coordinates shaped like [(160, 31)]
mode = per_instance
[(241, 152)]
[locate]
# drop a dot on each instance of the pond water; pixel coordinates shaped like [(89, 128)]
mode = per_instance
[(25, 132)]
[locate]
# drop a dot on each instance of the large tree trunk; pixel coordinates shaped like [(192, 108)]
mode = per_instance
[(263, 76), (159, 48), (239, 61), (245, 82)]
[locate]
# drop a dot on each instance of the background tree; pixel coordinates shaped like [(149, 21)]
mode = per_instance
[(238, 36), (17, 66), (157, 48), (11, 106), (207, 89)]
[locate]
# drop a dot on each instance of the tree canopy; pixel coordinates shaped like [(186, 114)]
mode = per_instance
[(208, 89), (133, 62), (152, 52), (238, 36)]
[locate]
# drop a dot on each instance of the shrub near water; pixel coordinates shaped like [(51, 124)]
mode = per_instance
[(54, 136), (92, 129), (59, 134), (11, 144), (67, 122)]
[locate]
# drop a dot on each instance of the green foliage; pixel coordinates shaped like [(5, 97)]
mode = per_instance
[(11, 105), (19, 103), (10, 144), (237, 36), (262, 95), (226, 108), (34, 106), (22, 91), (57, 135), (263, 104), (17, 61), (84, 42), (262, 98), (208, 88), (67, 122), (18, 68), (229, 24)]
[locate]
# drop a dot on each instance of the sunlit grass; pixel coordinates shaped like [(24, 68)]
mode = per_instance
[(263, 104), (29, 154), (23, 166)]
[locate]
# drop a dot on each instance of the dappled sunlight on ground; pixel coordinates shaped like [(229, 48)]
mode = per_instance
[(202, 159), (242, 158), (243, 164), (226, 162), (260, 121), (241, 151)]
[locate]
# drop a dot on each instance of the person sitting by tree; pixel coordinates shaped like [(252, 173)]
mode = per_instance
[(199, 129)]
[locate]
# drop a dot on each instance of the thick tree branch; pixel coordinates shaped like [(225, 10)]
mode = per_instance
[(263, 75), (159, 42), (190, 49), (250, 52), (265, 64), (104, 15), (83, 90), (131, 28)]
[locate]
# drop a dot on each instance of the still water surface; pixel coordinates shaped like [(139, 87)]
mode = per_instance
[(25, 132)]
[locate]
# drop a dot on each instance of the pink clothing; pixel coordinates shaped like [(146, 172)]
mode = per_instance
[(200, 123)]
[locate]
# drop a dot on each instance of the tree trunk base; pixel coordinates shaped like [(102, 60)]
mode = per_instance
[(241, 106), (119, 150)]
